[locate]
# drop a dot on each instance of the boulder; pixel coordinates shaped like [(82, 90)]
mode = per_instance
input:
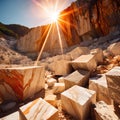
[(99, 84), (98, 55), (61, 67), (77, 101), (20, 83), (76, 52), (113, 81), (86, 62), (104, 112), (114, 48), (80, 78), (39, 109)]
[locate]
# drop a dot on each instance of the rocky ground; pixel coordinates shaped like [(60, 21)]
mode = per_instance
[(9, 56)]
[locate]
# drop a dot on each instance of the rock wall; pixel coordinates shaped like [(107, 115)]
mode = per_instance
[(91, 18), (35, 39), (83, 20)]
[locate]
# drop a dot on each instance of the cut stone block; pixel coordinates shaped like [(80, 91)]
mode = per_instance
[(21, 82), (114, 48), (80, 78), (77, 101), (98, 55), (39, 109), (51, 82), (58, 88), (75, 53), (104, 112), (15, 116), (61, 80), (113, 81), (99, 84), (61, 67), (86, 62), (52, 99)]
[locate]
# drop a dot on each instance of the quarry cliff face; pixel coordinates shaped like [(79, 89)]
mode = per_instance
[(83, 20)]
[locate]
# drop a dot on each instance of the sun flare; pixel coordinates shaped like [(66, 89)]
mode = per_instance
[(54, 16), (50, 10)]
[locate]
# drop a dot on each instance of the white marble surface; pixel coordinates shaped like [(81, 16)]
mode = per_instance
[(99, 84), (98, 55), (86, 62), (104, 112), (13, 116), (77, 101), (113, 81), (76, 52), (60, 67), (39, 109), (21, 82), (79, 77)]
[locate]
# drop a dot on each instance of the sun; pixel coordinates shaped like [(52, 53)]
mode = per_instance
[(54, 16)]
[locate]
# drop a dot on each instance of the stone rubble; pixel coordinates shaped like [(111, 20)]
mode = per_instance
[(59, 70)]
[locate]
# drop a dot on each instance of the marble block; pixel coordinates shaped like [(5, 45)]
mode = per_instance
[(76, 52), (58, 88), (104, 112), (114, 48), (61, 67), (13, 116), (52, 99), (99, 84), (39, 109), (77, 101), (98, 55), (79, 77), (86, 62), (20, 83), (51, 82), (113, 81)]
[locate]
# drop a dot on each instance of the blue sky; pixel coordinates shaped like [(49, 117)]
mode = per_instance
[(23, 12)]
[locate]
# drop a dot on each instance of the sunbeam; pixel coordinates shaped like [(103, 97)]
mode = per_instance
[(59, 36), (40, 53)]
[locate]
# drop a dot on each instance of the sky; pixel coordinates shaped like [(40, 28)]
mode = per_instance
[(30, 13)]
